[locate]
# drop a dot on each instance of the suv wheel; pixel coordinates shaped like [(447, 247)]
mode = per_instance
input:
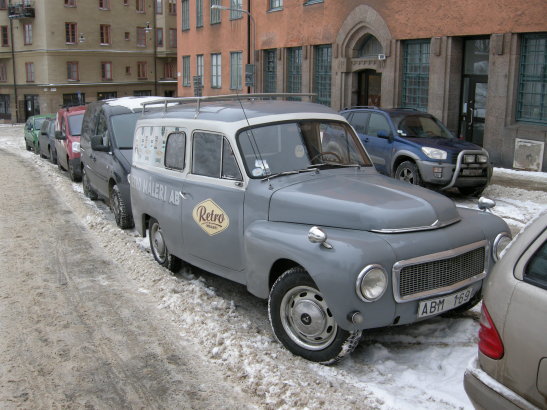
[(302, 321), (159, 249), (74, 176), (119, 208), (408, 171), (88, 191)]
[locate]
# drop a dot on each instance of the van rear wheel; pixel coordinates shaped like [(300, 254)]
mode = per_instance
[(159, 248)]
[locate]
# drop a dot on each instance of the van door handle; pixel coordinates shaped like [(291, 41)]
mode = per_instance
[(183, 195)]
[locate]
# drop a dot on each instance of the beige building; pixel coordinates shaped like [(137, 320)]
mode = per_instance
[(60, 52)]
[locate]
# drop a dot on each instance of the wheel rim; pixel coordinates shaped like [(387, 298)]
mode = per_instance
[(307, 319), (407, 175), (157, 243)]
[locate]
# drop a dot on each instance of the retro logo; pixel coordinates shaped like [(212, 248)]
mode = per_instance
[(210, 217)]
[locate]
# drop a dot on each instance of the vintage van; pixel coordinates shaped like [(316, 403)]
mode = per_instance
[(282, 197)]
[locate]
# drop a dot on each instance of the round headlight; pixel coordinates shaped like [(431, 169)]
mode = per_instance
[(371, 283), (500, 244)]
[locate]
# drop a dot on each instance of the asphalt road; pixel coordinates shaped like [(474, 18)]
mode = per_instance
[(74, 330)]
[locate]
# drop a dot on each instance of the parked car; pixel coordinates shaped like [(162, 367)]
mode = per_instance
[(68, 127), (281, 196), (106, 145), (511, 369), (47, 140), (32, 131), (416, 147)]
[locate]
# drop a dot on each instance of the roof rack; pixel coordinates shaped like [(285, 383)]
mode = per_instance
[(361, 106), (171, 101)]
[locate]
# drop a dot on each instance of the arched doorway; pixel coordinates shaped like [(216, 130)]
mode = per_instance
[(369, 88)]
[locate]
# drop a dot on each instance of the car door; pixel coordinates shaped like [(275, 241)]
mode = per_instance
[(100, 161), (379, 148), (212, 203), (525, 330)]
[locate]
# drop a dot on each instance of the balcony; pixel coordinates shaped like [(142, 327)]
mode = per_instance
[(21, 10)]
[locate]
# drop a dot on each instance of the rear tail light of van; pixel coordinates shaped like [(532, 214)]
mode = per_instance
[(490, 343)]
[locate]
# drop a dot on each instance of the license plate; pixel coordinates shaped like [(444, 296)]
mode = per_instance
[(435, 306), (472, 172)]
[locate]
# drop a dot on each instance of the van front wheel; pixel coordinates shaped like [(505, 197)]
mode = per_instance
[(159, 248), (119, 208)]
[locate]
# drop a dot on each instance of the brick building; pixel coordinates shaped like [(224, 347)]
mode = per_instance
[(478, 65), (56, 52)]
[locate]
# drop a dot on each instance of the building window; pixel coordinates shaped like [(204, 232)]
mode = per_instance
[(294, 70), (70, 33), (532, 92), (3, 4), (170, 71), (185, 14), (142, 93), (215, 13), (159, 6), (199, 13), (172, 7), (236, 5), (74, 99), (141, 37), (106, 71), (127, 70), (105, 34), (4, 39), (199, 67), (322, 73), (276, 4), (186, 71), (126, 2), (72, 73), (309, 2), (270, 71), (370, 48), (159, 37), (173, 37), (139, 6), (104, 4), (3, 72), (216, 71), (127, 36), (29, 71), (106, 95), (70, 3), (415, 74), (27, 32), (142, 70), (235, 70)]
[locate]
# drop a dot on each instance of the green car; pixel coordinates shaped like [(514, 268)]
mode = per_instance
[(32, 131)]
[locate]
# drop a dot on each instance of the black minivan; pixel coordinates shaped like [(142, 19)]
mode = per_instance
[(106, 146)]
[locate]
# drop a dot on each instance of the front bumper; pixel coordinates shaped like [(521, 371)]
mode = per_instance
[(485, 392), (75, 163)]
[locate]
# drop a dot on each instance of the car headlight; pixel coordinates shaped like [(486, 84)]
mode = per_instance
[(75, 147), (371, 283), (434, 153), (500, 244)]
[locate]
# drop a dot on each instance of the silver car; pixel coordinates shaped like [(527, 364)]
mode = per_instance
[(511, 369)]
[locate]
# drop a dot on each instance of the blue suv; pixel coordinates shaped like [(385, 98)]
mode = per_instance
[(414, 146)]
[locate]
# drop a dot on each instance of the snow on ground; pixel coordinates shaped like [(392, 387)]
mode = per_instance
[(405, 367)]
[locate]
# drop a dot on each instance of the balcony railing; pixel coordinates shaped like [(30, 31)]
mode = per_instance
[(21, 10)]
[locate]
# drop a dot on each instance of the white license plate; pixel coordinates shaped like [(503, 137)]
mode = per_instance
[(435, 306)]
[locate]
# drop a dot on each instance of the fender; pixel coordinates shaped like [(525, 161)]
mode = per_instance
[(402, 153)]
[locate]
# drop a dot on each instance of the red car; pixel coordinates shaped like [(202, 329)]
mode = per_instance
[(68, 127)]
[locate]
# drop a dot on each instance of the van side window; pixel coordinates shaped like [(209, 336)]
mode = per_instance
[(207, 149), (175, 149), (230, 170), (102, 129)]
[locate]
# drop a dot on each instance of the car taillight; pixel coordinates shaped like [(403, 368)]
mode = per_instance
[(490, 343)]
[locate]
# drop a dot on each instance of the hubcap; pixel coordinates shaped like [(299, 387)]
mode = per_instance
[(407, 175), (307, 319), (158, 245)]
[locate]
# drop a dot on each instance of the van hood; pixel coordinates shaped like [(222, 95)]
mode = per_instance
[(364, 202)]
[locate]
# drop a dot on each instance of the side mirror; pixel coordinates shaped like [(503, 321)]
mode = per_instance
[(486, 204), (59, 135), (97, 143), (384, 134)]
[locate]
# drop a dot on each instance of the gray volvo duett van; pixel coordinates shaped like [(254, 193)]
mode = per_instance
[(282, 197), (106, 145)]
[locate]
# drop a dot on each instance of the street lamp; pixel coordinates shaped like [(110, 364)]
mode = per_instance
[(249, 68)]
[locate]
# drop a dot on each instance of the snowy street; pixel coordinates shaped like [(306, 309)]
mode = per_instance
[(193, 339)]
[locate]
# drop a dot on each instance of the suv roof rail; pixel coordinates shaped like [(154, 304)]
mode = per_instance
[(361, 106), (406, 108), (170, 101)]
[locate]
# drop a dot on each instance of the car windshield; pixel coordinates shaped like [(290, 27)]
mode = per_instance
[(75, 124), (123, 127), (421, 126), (292, 146)]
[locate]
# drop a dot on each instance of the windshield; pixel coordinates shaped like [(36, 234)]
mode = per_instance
[(293, 146), (123, 127), (75, 124), (421, 126)]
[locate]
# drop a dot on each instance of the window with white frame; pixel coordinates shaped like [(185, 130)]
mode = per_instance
[(70, 3), (70, 33), (215, 13), (159, 6), (105, 34), (170, 71), (72, 73), (172, 7), (141, 37), (27, 33), (216, 70), (236, 5), (276, 4), (236, 69), (199, 67), (104, 4), (139, 6), (199, 13), (142, 70), (29, 72), (106, 70), (186, 71), (185, 14)]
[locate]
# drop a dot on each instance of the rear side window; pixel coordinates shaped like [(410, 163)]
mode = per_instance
[(359, 121), (536, 270), (377, 123), (175, 149)]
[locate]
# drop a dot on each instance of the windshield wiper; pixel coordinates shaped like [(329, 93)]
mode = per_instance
[(333, 164), (296, 171)]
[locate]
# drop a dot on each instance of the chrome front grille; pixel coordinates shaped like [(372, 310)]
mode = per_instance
[(439, 273)]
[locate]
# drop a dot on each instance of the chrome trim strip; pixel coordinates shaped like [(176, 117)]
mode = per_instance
[(397, 267), (497, 242), (434, 225), (459, 165)]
